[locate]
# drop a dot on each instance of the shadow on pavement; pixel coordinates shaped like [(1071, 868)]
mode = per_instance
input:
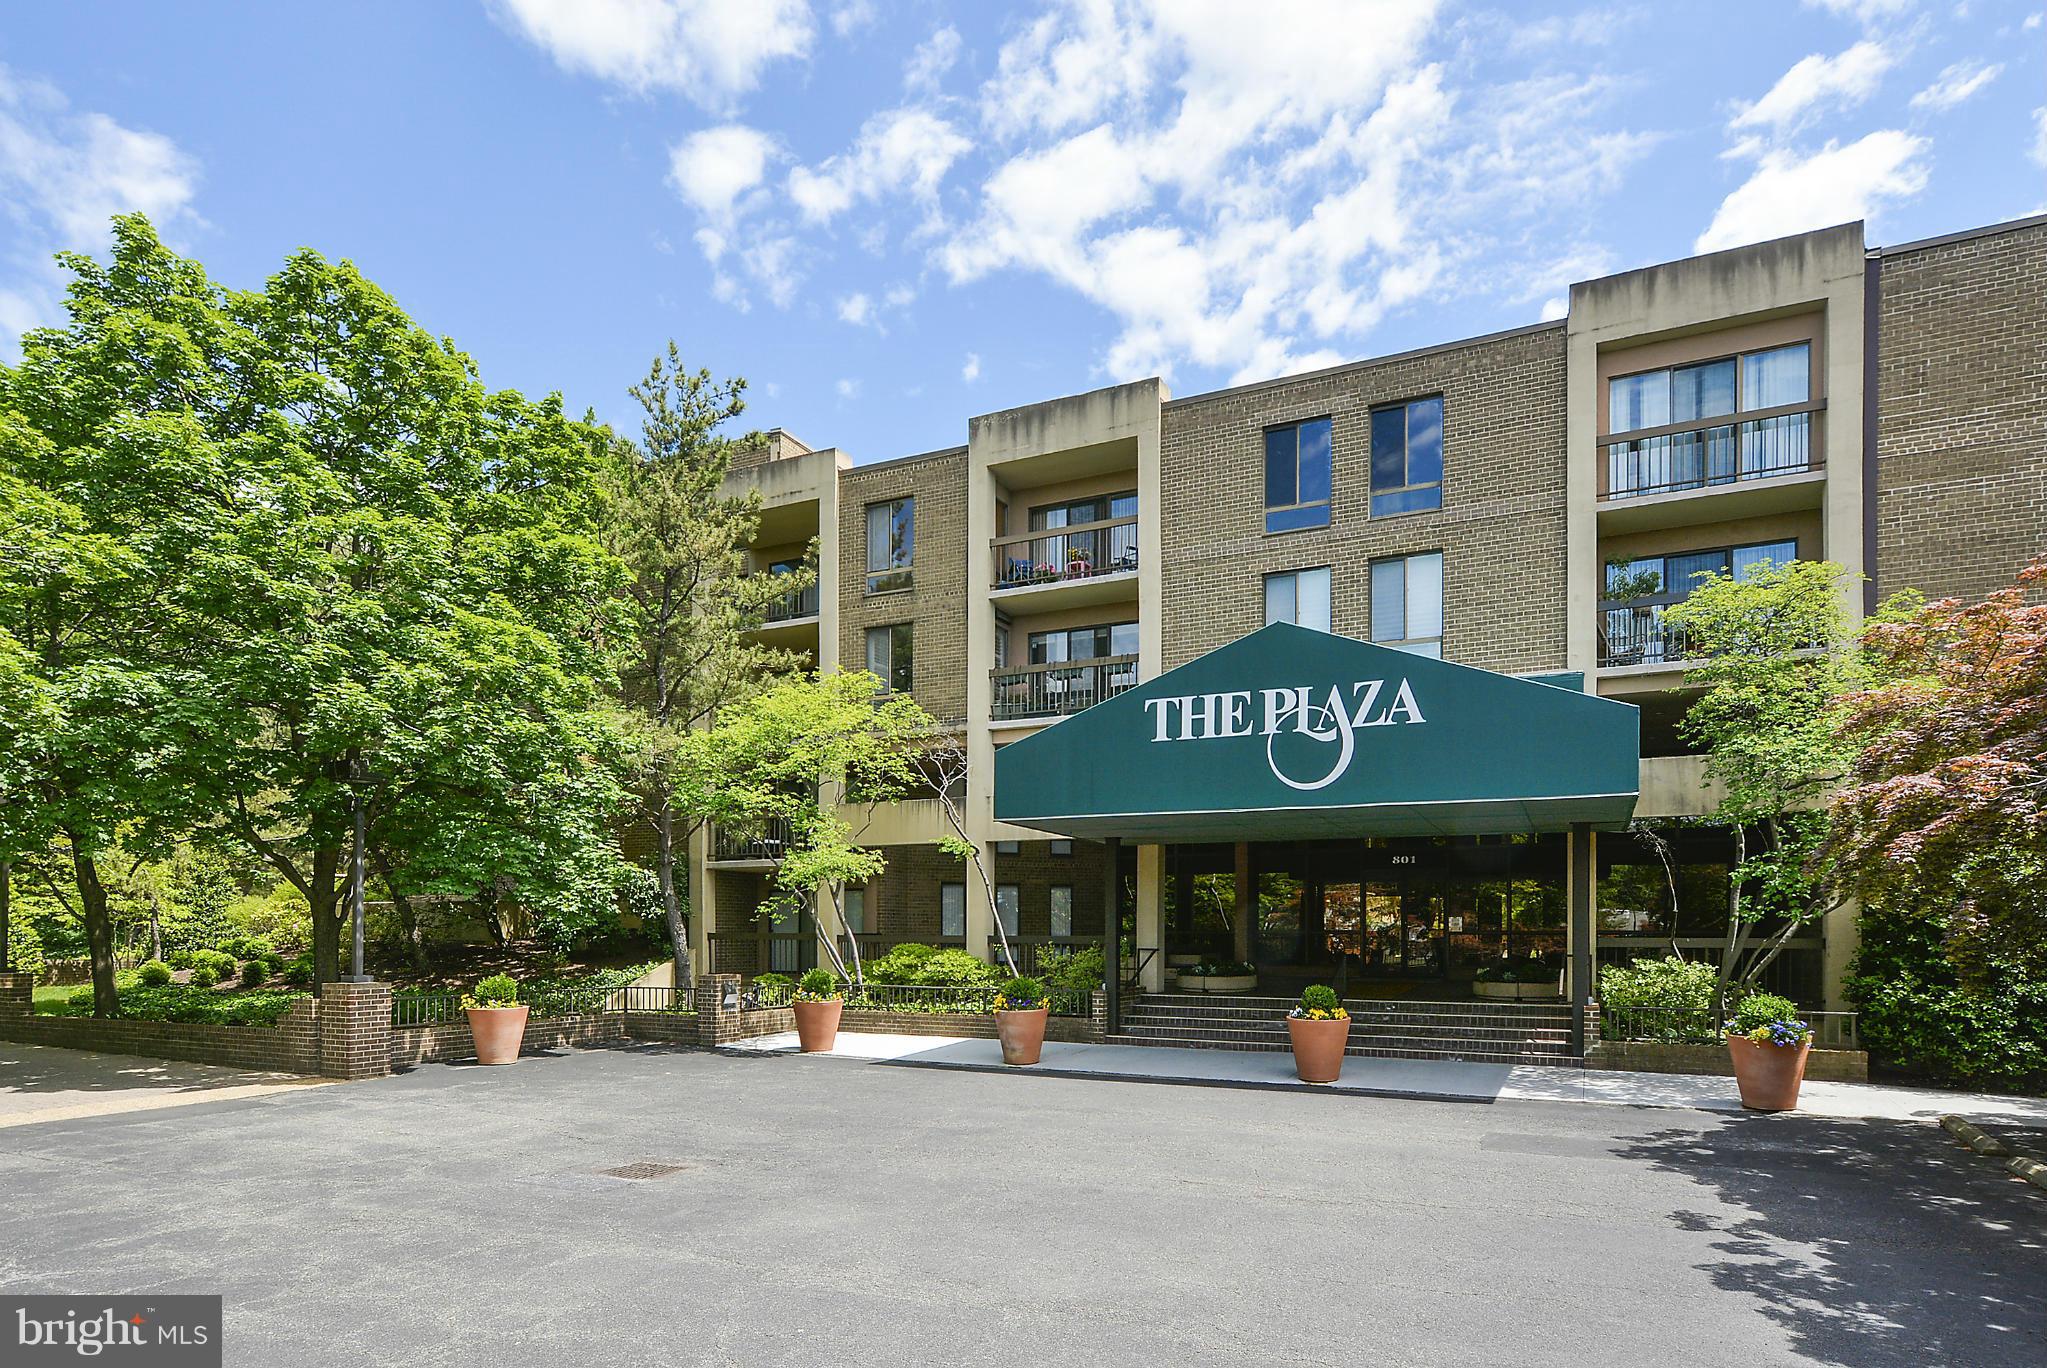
[(1869, 1243)]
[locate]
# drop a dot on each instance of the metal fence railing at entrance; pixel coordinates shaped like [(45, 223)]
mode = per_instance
[(1701, 1026)]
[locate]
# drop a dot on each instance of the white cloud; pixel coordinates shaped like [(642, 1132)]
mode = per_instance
[(1957, 83), (1816, 82), (1555, 307), (1789, 193), (848, 389), (2039, 152), (933, 58), (1864, 11), (852, 16), (713, 167), (971, 371), (709, 50), (857, 309), (64, 174), (906, 150)]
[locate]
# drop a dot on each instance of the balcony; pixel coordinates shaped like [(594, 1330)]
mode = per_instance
[(763, 847), (1058, 690), (1636, 635), (791, 607), (1069, 566), (1657, 477)]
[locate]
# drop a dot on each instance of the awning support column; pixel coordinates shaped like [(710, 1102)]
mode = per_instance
[(1112, 929), (1584, 886)]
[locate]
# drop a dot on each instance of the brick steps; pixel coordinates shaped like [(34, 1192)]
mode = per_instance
[(1471, 1032)]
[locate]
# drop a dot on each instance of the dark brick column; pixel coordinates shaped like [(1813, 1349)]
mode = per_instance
[(355, 1030), (715, 1025), (17, 995)]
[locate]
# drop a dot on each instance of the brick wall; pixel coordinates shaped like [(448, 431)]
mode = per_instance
[(1824, 1066), (904, 901), (937, 603), (451, 1040), (1961, 422), (291, 1046), (1501, 528)]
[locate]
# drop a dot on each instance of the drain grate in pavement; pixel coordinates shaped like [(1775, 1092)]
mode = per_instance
[(641, 1169)]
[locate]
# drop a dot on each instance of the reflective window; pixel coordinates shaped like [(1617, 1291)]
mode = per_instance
[(1298, 476), (1407, 603), (1407, 457), (891, 543), (1300, 597)]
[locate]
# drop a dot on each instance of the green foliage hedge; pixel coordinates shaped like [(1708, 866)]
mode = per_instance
[(189, 1004), (1671, 984), (1917, 1016), (931, 966), (153, 974)]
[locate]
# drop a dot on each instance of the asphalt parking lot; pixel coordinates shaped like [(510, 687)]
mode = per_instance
[(808, 1211)]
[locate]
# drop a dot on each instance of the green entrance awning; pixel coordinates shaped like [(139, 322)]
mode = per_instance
[(1292, 734)]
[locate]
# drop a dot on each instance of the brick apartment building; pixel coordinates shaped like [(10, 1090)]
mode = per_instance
[(1470, 502)]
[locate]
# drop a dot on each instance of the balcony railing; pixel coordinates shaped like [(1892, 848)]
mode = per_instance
[(1682, 456), (801, 604), (768, 843), (1059, 690), (1082, 551), (1638, 635)]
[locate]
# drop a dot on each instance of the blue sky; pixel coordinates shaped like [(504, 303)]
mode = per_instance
[(892, 214)]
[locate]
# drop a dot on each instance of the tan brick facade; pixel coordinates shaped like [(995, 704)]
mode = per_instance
[(1962, 412), (1500, 529), (937, 602)]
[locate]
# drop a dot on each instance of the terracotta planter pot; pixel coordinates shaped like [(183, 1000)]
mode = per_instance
[(498, 1033), (1022, 1035), (817, 1024), (1768, 1075), (1318, 1047)]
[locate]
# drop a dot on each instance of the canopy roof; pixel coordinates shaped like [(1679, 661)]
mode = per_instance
[(1293, 734)]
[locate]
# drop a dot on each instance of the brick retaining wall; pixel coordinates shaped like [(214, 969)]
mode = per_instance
[(1823, 1066), (450, 1040), (291, 1046)]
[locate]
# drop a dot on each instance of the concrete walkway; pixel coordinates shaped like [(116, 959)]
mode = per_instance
[(1438, 1080), (41, 1083)]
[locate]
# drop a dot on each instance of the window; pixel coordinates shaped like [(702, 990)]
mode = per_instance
[(1008, 905), (1632, 631), (1008, 847), (1062, 910), (1083, 643), (1104, 550), (1300, 597), (888, 655), (891, 542), (952, 910), (1710, 453), (855, 911), (1407, 603), (1297, 476), (1407, 457), (1062, 847)]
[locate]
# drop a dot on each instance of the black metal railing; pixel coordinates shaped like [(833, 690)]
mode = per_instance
[(1712, 452), (1059, 690), (1700, 1026), (557, 1000), (1033, 953), (801, 603), (769, 842), (1637, 635), (1082, 551)]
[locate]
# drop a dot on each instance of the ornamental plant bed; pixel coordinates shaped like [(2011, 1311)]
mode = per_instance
[(817, 1004), (497, 1019), (1517, 980), (1320, 1030), (1219, 976), (1020, 1012), (1769, 1044)]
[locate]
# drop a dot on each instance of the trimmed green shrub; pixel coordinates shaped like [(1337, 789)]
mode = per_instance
[(1076, 971), (300, 971), (253, 972), (954, 968), (774, 980), (204, 976), (1319, 1002), (818, 985), (1671, 983), (1759, 1010), (900, 965), (1918, 1017), (174, 1003), (153, 974), (499, 990), (1020, 994), (181, 959)]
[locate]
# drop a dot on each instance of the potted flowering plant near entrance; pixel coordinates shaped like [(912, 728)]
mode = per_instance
[(1218, 976), (817, 1003), (497, 1019), (1320, 1029), (1021, 1007), (1769, 1043)]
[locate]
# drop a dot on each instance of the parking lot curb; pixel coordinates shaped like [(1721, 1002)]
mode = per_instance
[(1972, 1135), (2030, 1169)]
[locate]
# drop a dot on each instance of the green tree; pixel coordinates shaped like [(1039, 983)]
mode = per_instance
[(1774, 659), (783, 756), (690, 599)]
